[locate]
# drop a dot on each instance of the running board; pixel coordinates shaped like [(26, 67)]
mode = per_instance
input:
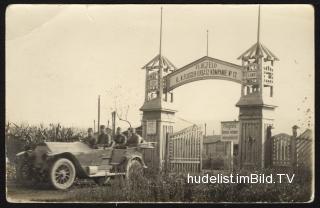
[(104, 173)]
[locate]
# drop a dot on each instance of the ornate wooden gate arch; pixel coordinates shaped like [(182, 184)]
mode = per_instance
[(256, 107)]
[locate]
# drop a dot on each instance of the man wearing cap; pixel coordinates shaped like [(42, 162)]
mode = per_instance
[(120, 139), (134, 139), (90, 140), (104, 139)]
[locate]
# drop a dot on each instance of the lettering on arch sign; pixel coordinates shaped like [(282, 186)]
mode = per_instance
[(204, 68)]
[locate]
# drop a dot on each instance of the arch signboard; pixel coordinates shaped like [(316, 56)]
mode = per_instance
[(204, 68)]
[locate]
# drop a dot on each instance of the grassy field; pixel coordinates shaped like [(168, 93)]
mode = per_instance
[(170, 188)]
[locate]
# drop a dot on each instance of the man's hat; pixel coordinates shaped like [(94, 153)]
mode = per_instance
[(102, 126)]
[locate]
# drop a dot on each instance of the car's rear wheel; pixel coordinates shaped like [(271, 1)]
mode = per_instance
[(101, 180), (62, 174)]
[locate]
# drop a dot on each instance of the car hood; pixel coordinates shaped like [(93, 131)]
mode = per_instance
[(56, 147)]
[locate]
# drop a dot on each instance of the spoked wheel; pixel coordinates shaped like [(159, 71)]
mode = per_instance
[(62, 174), (134, 171), (24, 174), (101, 180)]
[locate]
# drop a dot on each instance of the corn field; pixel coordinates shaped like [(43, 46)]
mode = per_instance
[(23, 136)]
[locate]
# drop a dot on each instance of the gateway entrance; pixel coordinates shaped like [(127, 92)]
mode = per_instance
[(255, 75)]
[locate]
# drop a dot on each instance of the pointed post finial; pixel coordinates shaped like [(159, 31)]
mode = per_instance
[(160, 33), (160, 61), (258, 35), (207, 42)]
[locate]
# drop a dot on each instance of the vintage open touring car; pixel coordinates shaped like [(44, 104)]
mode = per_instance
[(61, 162)]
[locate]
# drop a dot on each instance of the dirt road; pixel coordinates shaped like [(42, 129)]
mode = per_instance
[(43, 193)]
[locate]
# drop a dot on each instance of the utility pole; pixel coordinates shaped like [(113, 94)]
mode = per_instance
[(207, 42), (94, 126), (113, 115), (99, 114), (205, 129)]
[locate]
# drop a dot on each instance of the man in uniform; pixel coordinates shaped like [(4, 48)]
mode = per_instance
[(120, 139), (104, 138), (134, 139), (90, 139)]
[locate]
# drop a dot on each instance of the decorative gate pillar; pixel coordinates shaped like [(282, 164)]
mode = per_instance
[(256, 105), (158, 110)]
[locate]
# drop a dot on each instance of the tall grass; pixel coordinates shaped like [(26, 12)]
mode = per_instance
[(174, 188)]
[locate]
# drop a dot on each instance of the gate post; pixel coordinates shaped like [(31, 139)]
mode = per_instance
[(255, 107), (256, 103), (158, 111), (156, 124)]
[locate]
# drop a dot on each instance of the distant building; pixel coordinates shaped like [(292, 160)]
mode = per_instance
[(217, 154), (230, 131), (208, 144)]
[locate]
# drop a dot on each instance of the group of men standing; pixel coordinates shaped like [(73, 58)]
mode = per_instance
[(120, 140)]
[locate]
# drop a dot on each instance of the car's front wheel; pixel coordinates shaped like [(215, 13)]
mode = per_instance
[(62, 174), (134, 170)]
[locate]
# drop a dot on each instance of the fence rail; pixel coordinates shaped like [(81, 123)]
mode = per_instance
[(290, 152), (304, 152), (184, 150)]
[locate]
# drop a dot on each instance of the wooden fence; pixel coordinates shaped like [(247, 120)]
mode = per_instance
[(185, 150), (281, 151), (287, 151), (304, 152)]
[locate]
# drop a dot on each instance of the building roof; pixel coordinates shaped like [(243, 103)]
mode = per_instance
[(155, 64), (211, 139), (258, 51)]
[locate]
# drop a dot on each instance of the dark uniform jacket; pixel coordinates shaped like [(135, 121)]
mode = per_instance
[(120, 139), (90, 140), (133, 140), (104, 139)]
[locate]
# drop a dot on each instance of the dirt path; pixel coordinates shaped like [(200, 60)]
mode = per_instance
[(40, 193)]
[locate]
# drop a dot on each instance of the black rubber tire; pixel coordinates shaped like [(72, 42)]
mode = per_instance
[(62, 174), (134, 169), (23, 174)]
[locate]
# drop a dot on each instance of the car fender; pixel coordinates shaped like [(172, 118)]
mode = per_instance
[(80, 171), (20, 154), (23, 156), (129, 157)]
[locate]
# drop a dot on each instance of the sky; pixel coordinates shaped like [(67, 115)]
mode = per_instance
[(59, 58)]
